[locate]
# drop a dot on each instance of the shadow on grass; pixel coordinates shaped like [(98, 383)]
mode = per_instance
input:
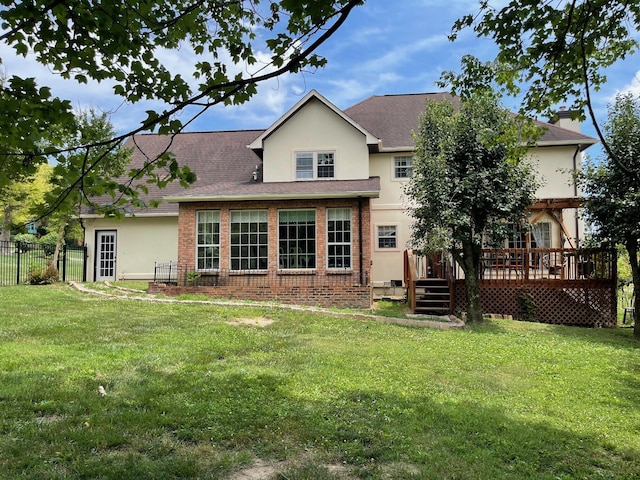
[(206, 422)]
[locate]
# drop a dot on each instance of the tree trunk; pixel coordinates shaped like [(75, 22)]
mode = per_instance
[(470, 261), (632, 249), (56, 252), (5, 233)]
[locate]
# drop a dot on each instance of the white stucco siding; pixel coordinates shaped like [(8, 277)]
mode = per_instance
[(554, 166), (315, 128), (140, 241), (388, 210)]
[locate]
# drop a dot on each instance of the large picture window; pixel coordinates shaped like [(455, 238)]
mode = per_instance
[(208, 240), (313, 165), (249, 240), (297, 239), (338, 238)]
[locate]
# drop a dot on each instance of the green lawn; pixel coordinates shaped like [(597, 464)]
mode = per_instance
[(191, 394)]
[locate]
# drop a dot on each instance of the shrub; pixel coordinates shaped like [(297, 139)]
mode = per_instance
[(526, 305), (43, 275), (25, 241), (48, 242)]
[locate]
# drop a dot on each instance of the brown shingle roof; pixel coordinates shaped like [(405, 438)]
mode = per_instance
[(215, 157), (249, 190), (224, 165), (392, 118)]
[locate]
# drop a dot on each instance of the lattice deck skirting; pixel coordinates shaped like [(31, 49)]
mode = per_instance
[(586, 303)]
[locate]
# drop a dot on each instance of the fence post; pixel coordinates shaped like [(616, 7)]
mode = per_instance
[(17, 246), (64, 262), (85, 256)]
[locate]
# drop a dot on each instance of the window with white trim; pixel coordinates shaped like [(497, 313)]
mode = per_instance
[(314, 165), (402, 167), (541, 235), (387, 236), (208, 240), (249, 245), (297, 239), (338, 238)]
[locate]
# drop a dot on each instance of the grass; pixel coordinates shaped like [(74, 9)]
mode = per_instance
[(189, 395)]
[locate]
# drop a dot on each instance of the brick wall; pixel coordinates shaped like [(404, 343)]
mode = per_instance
[(353, 296)]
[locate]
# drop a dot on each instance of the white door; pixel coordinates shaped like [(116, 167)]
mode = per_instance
[(106, 255)]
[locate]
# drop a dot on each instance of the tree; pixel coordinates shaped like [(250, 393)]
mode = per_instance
[(123, 42), (612, 187), (470, 181), (559, 49), (71, 185), (19, 199)]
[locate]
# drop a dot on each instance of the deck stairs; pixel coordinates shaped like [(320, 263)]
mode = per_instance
[(432, 296)]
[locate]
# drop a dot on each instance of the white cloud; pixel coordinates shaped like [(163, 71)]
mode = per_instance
[(632, 87)]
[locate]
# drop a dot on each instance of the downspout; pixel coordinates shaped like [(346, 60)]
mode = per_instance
[(575, 193), (360, 248)]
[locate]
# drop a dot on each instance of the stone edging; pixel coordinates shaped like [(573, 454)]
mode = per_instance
[(447, 322)]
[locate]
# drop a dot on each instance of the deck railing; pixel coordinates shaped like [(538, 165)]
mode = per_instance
[(548, 264), (521, 264)]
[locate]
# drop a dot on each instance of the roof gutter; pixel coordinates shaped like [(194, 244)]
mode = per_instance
[(582, 144), (271, 196)]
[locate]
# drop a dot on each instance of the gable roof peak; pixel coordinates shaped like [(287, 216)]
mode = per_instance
[(258, 143)]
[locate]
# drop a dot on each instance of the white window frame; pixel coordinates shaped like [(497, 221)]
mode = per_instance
[(342, 239), (312, 172), (249, 246), (378, 228), (204, 245), (406, 166)]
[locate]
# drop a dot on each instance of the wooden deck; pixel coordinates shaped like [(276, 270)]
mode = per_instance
[(567, 286)]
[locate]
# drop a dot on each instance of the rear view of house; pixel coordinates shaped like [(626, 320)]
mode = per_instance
[(309, 210)]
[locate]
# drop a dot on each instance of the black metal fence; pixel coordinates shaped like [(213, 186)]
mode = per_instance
[(186, 275), (18, 259)]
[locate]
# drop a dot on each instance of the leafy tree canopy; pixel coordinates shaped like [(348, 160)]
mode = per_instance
[(124, 42), (559, 49), (469, 181), (612, 187)]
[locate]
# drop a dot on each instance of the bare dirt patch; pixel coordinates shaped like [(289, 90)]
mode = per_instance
[(255, 322), (258, 471)]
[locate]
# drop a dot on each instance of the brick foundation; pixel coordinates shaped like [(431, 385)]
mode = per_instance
[(352, 296)]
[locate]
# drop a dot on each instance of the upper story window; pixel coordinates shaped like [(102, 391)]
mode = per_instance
[(402, 167), (312, 165), (208, 240)]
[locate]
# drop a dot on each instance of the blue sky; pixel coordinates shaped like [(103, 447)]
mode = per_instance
[(385, 47)]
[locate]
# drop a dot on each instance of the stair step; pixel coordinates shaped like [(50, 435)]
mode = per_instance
[(432, 295), (431, 309)]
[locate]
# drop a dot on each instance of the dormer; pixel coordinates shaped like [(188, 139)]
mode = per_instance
[(314, 140)]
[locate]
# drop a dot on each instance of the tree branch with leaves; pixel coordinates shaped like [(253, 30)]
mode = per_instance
[(470, 181), (123, 42), (557, 51)]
